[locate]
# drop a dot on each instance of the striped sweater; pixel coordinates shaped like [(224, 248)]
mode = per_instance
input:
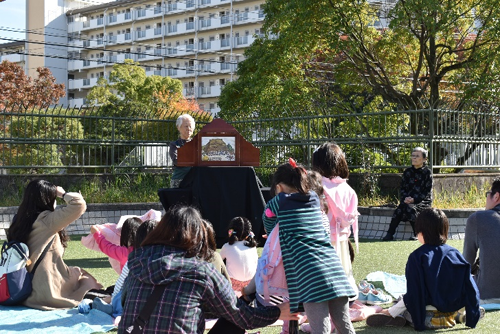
[(312, 267)]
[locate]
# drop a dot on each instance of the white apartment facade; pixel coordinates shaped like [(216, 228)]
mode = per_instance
[(198, 42)]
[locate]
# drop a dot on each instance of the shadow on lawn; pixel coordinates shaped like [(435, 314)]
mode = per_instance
[(88, 263)]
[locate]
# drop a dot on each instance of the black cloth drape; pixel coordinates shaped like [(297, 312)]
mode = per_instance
[(220, 193)]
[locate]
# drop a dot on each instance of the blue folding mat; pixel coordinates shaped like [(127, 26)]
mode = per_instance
[(20, 319)]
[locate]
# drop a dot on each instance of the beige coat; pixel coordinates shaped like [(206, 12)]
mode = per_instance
[(55, 285)]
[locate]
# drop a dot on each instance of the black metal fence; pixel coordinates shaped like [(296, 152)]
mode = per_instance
[(58, 140)]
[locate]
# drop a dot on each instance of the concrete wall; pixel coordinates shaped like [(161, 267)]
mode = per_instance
[(373, 222), (95, 214)]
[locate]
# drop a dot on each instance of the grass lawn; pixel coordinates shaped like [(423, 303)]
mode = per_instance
[(373, 256)]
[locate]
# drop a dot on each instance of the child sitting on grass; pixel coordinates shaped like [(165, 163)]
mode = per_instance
[(438, 280), (240, 253)]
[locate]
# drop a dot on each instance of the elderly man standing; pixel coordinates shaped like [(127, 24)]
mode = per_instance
[(185, 124), (482, 233)]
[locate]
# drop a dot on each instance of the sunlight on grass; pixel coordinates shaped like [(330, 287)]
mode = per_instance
[(373, 255)]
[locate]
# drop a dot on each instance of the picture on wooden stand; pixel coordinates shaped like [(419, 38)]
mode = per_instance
[(218, 148)]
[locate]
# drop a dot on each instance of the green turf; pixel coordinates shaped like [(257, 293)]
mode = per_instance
[(373, 256)]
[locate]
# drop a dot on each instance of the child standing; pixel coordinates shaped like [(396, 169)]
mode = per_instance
[(330, 162), (313, 271), (240, 253), (438, 282)]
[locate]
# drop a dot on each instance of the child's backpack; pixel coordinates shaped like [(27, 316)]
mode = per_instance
[(15, 280), (270, 279)]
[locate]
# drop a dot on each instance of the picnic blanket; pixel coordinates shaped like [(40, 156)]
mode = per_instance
[(20, 319), (395, 285)]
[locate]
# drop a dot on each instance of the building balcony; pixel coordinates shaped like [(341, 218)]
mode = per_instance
[(144, 13), (89, 83), (211, 91), (75, 26), (171, 51), (13, 58), (112, 39), (123, 17), (205, 46), (171, 29), (76, 102), (158, 31), (75, 43), (242, 41), (188, 92), (75, 65), (112, 19), (171, 72), (203, 24)]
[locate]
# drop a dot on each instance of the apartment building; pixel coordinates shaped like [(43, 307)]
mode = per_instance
[(13, 52), (199, 42)]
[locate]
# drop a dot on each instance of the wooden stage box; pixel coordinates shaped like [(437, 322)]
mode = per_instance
[(218, 144)]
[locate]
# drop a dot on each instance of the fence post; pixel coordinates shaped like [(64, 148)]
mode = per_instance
[(113, 142), (431, 138), (309, 162)]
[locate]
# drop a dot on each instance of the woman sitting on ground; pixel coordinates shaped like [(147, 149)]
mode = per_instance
[(176, 255), (438, 282), (38, 222)]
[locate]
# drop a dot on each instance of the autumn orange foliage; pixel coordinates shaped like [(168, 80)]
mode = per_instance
[(17, 89)]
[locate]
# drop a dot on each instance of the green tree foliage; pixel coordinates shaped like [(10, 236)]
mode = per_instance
[(129, 89), (43, 139), (358, 57)]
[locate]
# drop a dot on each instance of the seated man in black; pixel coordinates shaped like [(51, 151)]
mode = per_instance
[(415, 194)]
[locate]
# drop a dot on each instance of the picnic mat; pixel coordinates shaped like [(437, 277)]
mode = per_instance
[(20, 319), (393, 284)]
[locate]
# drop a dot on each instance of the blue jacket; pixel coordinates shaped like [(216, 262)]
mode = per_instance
[(440, 276)]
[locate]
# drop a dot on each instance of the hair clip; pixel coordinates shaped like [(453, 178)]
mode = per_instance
[(292, 162), (230, 232), (251, 235)]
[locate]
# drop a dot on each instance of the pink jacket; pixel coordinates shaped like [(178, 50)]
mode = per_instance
[(342, 209), (119, 253)]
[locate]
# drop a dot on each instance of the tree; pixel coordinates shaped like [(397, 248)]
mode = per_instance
[(43, 138), (353, 56), (128, 88), (155, 102), (17, 89)]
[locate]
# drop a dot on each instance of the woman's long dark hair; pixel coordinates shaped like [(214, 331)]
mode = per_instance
[(39, 196)]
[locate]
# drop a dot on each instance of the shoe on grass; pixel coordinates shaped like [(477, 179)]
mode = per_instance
[(388, 237), (377, 297), (381, 320)]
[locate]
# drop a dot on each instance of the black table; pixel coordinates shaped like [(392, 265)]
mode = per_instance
[(220, 193)]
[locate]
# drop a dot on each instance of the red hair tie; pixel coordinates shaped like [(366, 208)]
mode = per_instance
[(292, 162)]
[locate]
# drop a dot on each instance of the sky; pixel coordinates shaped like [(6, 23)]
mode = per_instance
[(12, 17)]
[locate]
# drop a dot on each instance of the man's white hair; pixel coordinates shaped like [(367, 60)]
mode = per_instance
[(182, 117)]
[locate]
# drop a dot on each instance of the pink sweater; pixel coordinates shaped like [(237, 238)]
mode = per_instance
[(119, 253), (342, 209)]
